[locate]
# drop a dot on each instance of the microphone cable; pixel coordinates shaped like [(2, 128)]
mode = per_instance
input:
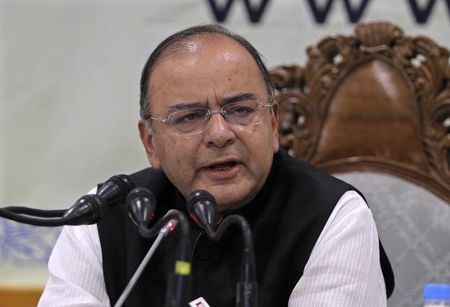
[(247, 288), (202, 208), (35, 212)]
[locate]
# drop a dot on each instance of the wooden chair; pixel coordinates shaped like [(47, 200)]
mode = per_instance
[(378, 103)]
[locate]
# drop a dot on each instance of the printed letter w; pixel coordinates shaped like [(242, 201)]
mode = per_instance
[(254, 12)]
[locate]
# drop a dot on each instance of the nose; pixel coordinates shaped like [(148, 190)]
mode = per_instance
[(218, 132)]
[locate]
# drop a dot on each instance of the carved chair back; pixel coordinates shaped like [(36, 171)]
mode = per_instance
[(376, 100)]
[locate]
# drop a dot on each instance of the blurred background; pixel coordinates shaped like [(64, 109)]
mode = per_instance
[(69, 88)]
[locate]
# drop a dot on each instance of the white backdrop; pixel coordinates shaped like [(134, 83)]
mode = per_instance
[(70, 74)]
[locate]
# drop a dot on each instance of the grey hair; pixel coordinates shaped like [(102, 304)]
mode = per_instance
[(167, 46)]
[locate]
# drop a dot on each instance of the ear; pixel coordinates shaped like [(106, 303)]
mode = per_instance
[(275, 118), (148, 139)]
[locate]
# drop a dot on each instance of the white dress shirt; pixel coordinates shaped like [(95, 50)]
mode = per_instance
[(343, 269)]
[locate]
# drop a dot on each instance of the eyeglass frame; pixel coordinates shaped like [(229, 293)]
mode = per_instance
[(165, 119)]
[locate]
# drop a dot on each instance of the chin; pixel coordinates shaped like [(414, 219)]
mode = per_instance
[(231, 196), (229, 201)]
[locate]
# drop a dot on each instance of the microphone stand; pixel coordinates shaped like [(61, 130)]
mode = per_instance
[(163, 232), (178, 290)]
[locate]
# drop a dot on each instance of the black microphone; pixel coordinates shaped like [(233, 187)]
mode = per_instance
[(89, 209), (201, 206), (115, 189), (141, 206)]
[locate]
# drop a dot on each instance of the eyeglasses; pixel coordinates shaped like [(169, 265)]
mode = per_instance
[(194, 120)]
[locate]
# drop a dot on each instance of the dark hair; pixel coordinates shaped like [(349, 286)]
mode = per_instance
[(165, 46)]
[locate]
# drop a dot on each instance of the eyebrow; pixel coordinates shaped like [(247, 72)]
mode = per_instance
[(186, 105), (239, 97), (235, 98)]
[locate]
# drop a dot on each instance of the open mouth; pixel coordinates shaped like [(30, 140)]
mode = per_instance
[(223, 166)]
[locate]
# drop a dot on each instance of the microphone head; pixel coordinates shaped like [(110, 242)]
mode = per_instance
[(88, 209), (201, 206), (141, 206), (115, 189)]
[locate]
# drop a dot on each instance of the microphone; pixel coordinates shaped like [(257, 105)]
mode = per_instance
[(89, 209), (141, 207), (201, 206), (115, 189)]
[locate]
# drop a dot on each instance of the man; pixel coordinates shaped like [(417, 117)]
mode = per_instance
[(209, 121)]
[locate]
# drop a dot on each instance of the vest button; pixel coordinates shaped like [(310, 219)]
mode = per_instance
[(203, 252)]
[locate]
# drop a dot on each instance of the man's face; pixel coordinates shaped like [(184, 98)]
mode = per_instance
[(232, 163)]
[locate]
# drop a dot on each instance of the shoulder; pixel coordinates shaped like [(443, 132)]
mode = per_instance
[(346, 258), (308, 177)]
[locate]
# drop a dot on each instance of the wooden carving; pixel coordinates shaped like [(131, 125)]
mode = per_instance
[(376, 100)]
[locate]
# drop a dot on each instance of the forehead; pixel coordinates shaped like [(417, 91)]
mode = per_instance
[(206, 45), (202, 68)]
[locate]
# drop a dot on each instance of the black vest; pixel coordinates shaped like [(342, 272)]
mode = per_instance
[(286, 217)]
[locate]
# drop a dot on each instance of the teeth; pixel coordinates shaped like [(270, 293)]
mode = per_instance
[(223, 166)]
